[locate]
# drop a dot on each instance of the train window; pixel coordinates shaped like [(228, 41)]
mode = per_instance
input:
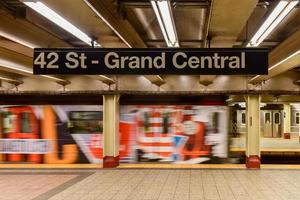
[(243, 118), (297, 115), (85, 122), (166, 123), (215, 121), (8, 122), (146, 121), (267, 117), (25, 122), (277, 118)]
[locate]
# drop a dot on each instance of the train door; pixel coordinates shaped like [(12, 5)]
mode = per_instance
[(267, 124), (241, 122), (276, 126), (272, 126)]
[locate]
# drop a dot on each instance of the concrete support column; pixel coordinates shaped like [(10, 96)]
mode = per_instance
[(286, 118), (253, 131), (111, 131)]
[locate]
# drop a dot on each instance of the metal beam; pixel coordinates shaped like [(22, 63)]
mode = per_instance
[(274, 93), (199, 42), (22, 70), (16, 47), (19, 64), (284, 57), (182, 42), (179, 3), (108, 13), (11, 81), (207, 24), (29, 35)]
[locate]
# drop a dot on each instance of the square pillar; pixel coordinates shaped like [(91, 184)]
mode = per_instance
[(111, 141), (253, 131)]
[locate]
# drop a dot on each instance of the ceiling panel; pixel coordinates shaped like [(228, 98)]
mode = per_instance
[(189, 21)]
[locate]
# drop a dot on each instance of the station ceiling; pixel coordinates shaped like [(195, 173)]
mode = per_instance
[(133, 24)]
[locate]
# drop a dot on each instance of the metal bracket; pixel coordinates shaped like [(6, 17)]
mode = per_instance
[(209, 39)]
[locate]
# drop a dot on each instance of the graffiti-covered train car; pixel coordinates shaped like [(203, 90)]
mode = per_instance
[(66, 134)]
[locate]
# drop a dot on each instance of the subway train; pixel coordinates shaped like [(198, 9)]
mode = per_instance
[(67, 134), (279, 144), (192, 134), (271, 120)]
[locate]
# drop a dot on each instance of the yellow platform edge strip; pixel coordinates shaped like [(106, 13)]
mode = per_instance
[(203, 166), (50, 166), (144, 166), (182, 166)]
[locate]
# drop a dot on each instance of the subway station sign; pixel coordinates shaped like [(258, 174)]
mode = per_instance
[(213, 61)]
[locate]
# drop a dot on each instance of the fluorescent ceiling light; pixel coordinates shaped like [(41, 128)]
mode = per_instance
[(282, 9), (60, 21), (163, 12)]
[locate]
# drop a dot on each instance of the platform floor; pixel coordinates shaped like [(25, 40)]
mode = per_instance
[(268, 143), (150, 184)]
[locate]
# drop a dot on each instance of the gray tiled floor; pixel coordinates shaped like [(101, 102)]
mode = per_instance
[(187, 184), (147, 184), (28, 186)]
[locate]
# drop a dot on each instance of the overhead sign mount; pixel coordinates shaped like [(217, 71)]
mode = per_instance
[(228, 61)]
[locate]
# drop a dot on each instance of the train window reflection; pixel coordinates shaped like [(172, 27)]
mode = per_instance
[(243, 118), (85, 122), (297, 117), (25, 122), (166, 123), (215, 121), (267, 117), (277, 118)]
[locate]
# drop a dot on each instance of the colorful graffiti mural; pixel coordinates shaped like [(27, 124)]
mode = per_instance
[(73, 134), (173, 134), (51, 134)]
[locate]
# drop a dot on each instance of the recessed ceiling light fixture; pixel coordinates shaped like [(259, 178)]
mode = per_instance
[(164, 15), (60, 21), (281, 10)]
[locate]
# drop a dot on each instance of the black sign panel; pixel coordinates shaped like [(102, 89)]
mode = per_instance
[(211, 61)]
